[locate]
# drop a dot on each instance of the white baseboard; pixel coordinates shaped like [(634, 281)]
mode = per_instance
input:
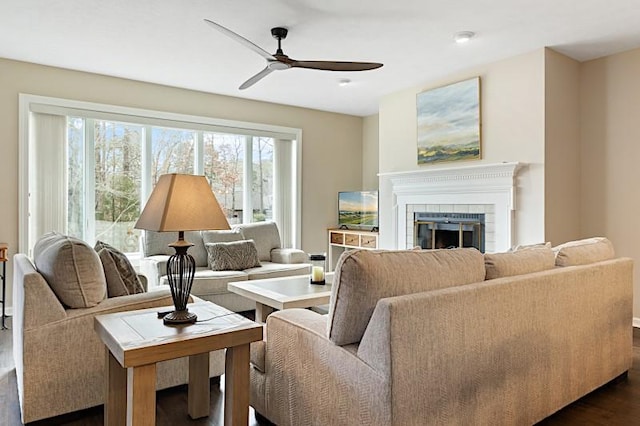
[(636, 322)]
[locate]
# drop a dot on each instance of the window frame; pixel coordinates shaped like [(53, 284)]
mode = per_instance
[(89, 110)]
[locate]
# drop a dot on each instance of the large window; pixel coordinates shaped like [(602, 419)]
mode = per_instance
[(104, 181), (111, 166)]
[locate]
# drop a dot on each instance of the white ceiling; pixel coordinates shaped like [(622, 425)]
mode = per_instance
[(167, 42)]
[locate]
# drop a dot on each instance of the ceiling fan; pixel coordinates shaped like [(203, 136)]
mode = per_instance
[(279, 61)]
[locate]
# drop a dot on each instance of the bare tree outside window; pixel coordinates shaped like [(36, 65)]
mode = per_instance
[(171, 151), (117, 159), (115, 174), (223, 159), (262, 179)]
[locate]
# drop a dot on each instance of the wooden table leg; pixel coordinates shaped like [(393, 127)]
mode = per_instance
[(236, 386), (141, 395), (115, 399), (262, 311), (199, 385)]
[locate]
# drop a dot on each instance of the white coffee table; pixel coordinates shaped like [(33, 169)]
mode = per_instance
[(283, 293)]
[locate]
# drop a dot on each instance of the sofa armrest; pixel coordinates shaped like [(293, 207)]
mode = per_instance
[(288, 255), (34, 302), (160, 298), (153, 267), (315, 366)]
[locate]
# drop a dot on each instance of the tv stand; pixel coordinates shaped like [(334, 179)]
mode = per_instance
[(341, 239)]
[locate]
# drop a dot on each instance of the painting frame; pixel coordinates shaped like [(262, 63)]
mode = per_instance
[(449, 123)]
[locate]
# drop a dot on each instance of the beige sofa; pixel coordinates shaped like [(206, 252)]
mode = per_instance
[(59, 357), (420, 337), (275, 261)]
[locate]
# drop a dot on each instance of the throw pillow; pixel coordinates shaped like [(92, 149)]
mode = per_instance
[(115, 285), (118, 271), (523, 261), (71, 268), (232, 256), (583, 252)]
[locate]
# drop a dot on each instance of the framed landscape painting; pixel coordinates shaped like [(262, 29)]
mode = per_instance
[(449, 122)]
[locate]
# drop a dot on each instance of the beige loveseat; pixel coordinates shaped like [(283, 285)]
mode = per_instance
[(420, 337), (59, 357), (210, 285)]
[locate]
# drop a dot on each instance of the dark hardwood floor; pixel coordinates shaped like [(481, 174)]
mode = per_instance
[(617, 403)]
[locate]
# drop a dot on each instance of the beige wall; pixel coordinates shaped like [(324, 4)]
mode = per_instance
[(610, 125), (576, 125), (324, 136), (562, 148), (370, 152), (512, 102)]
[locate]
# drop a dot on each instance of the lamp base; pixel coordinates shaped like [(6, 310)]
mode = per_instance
[(180, 317)]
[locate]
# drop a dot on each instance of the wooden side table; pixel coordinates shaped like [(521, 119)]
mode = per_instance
[(3, 259), (136, 340)]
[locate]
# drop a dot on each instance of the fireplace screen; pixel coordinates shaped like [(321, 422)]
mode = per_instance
[(448, 230)]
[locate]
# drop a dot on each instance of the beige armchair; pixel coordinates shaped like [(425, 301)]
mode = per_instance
[(59, 358)]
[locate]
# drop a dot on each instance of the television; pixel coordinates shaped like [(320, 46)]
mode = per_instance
[(358, 209)]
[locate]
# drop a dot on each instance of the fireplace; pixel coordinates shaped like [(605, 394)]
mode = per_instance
[(484, 189), (433, 230)]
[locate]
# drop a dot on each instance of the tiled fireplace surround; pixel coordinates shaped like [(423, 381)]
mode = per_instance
[(485, 188)]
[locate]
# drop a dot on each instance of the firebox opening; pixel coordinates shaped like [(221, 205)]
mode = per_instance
[(449, 230)]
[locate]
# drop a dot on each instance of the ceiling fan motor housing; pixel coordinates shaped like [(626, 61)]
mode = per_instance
[(279, 33)]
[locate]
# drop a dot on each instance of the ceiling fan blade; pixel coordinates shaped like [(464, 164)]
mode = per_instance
[(336, 66), (253, 80), (243, 41)]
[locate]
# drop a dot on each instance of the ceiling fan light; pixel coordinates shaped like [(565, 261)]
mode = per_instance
[(463, 36)]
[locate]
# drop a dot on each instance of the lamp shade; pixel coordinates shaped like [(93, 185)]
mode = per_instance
[(181, 202)]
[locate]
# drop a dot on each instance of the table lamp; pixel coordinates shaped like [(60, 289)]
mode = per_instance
[(180, 203)]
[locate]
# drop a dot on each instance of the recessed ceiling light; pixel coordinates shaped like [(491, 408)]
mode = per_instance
[(463, 36), (344, 82)]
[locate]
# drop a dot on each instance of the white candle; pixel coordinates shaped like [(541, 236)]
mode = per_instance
[(317, 274)]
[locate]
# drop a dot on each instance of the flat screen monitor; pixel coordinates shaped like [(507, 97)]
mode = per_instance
[(358, 209)]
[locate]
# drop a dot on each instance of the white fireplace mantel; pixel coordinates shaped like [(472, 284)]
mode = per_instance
[(483, 184)]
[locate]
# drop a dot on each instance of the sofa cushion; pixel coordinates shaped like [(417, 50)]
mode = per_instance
[(530, 246), (158, 243), (583, 252), (365, 276), (265, 235), (222, 236), (72, 269), (523, 261), (232, 256), (118, 271)]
